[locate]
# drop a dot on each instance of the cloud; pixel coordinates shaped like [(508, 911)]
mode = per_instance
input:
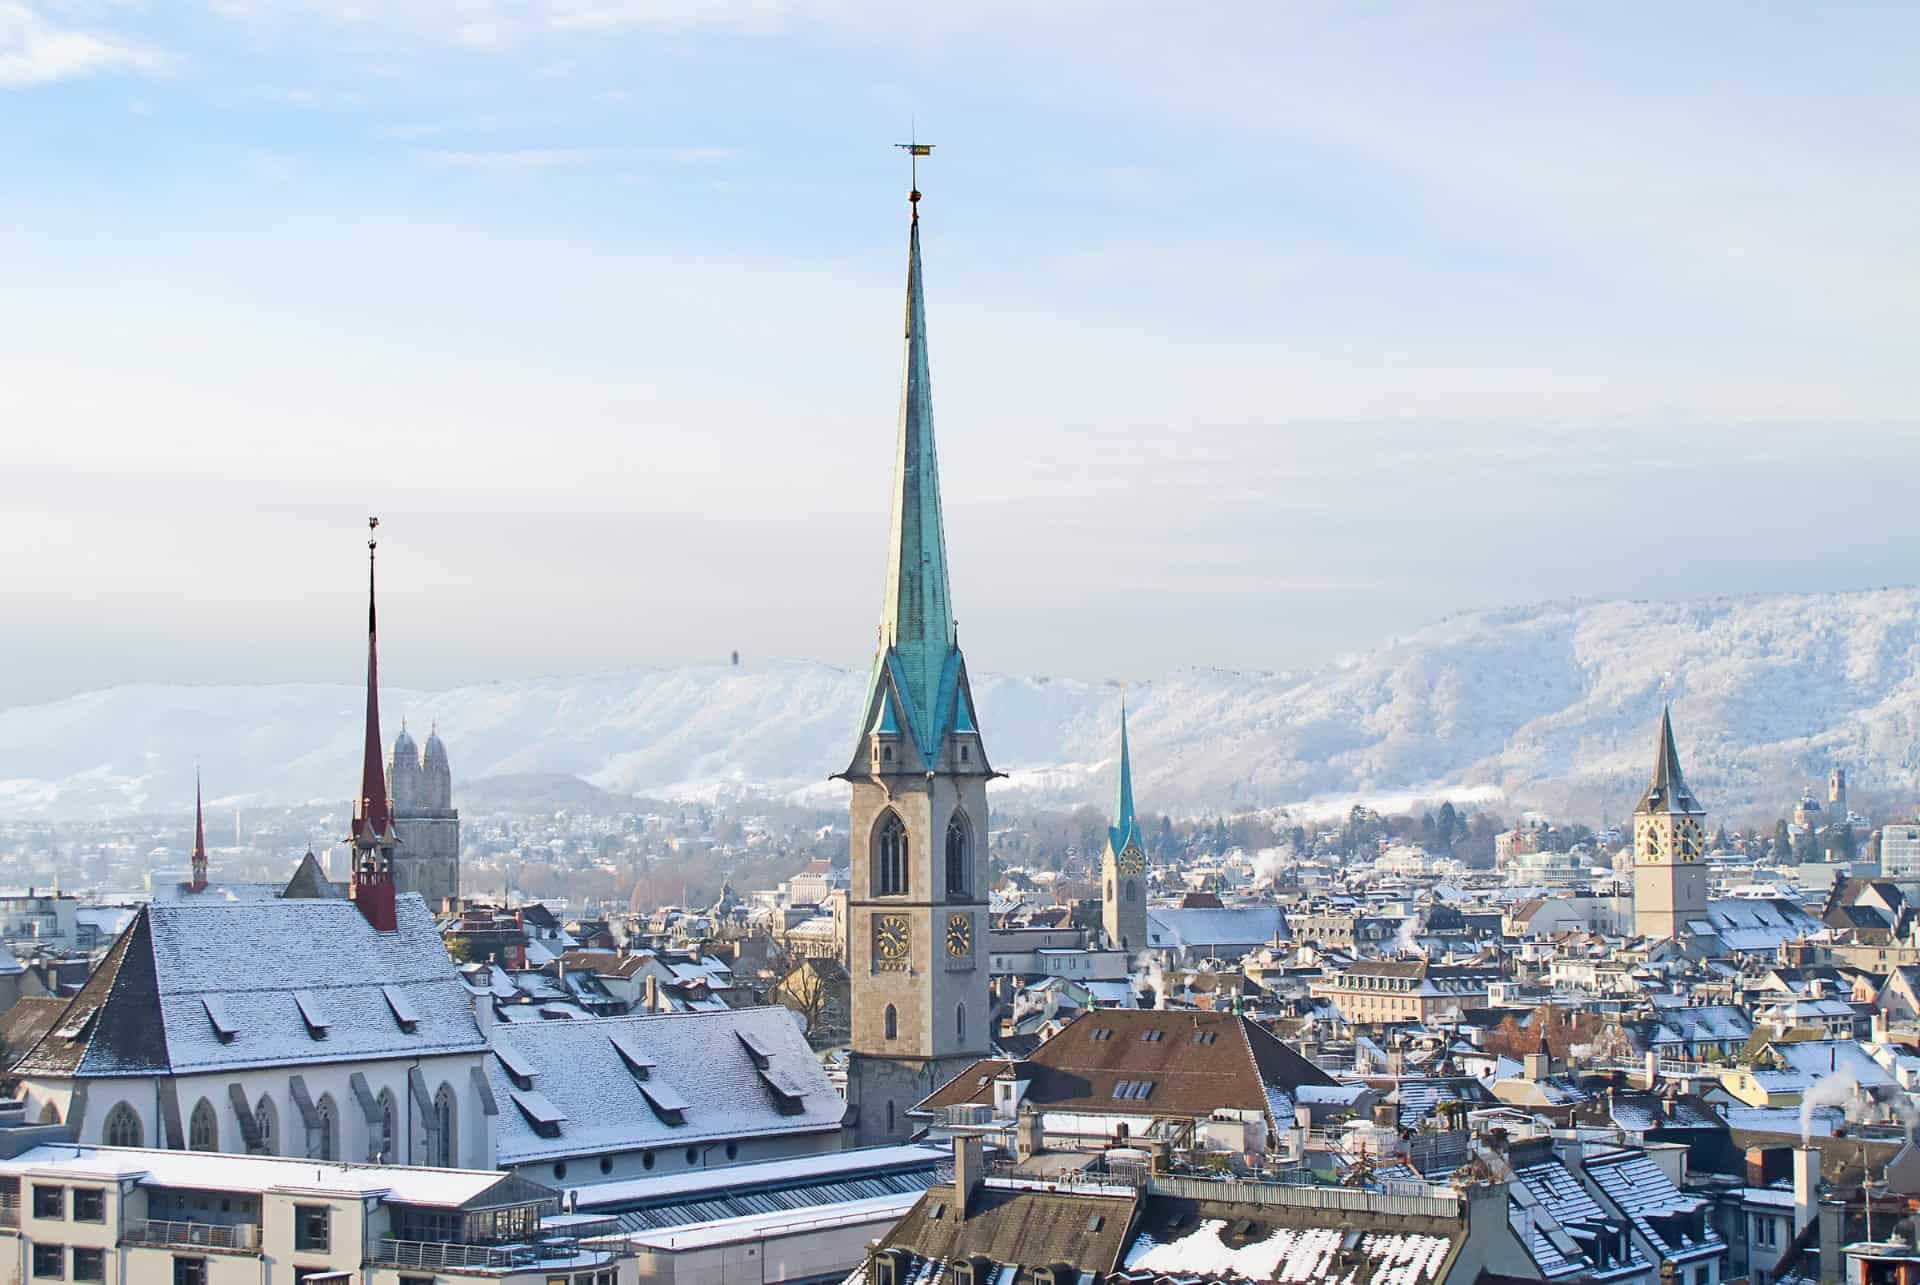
[(34, 51), (524, 160)]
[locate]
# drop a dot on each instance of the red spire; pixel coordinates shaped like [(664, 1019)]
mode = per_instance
[(199, 883), (373, 815)]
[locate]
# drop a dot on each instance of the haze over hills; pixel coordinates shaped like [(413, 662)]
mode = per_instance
[(1550, 705)]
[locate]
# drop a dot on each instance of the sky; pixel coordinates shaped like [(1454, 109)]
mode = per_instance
[(1260, 334)]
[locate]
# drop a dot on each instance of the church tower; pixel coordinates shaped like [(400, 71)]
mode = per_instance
[(1123, 870), (1669, 838), (917, 901), (428, 858), (371, 837), (1837, 793)]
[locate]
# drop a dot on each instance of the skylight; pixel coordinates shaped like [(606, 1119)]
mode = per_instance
[(78, 1023), (312, 1014), (223, 1025), (403, 1010)]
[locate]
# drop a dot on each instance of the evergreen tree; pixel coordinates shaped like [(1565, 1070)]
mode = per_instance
[(1782, 842)]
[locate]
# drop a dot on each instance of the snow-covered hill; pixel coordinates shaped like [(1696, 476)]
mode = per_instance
[(1553, 704)]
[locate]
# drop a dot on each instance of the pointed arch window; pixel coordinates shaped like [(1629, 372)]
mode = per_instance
[(960, 1021), (203, 1128), (326, 1146), (445, 1153), (122, 1128), (890, 857), (959, 856), (269, 1121), (892, 1023), (389, 1128)]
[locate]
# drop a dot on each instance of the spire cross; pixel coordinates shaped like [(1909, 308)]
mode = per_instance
[(914, 152)]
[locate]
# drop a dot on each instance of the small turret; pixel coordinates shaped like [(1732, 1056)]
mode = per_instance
[(199, 883), (372, 833)]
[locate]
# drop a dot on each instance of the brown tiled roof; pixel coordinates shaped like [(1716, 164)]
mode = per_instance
[(1020, 1225), (1199, 1062), (27, 1021), (604, 963), (138, 1041)]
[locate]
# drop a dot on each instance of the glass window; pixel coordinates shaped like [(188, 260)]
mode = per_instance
[(203, 1129), (90, 1264), (890, 858), (957, 855), (49, 1202), (892, 1023), (310, 1229), (122, 1128), (89, 1205), (50, 1262)]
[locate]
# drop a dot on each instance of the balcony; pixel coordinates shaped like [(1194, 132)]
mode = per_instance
[(234, 1238), (431, 1255)]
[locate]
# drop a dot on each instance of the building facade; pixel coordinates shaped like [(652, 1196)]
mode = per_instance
[(1669, 840), (917, 902)]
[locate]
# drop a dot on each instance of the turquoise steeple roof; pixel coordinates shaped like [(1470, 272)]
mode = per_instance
[(919, 657), (1124, 829)]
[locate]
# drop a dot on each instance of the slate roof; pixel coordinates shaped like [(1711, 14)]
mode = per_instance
[(1021, 1225), (195, 986), (1170, 927), (1194, 1062), (599, 1085), (1667, 792), (1641, 1190)]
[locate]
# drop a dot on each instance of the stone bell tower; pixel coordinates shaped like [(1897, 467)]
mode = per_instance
[(1123, 869), (917, 901), (1669, 839)]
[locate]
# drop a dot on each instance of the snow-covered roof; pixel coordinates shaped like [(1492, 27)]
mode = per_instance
[(703, 1080), (1288, 1254), (197, 986), (216, 1171)]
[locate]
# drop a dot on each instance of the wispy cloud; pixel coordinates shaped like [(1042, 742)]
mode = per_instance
[(524, 160), (34, 50), (701, 155)]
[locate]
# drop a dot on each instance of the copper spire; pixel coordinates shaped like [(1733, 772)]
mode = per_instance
[(199, 838), (373, 817)]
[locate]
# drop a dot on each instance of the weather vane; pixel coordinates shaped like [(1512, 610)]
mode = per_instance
[(915, 151), (373, 524)]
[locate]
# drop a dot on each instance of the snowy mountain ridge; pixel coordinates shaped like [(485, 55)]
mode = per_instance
[(1552, 705)]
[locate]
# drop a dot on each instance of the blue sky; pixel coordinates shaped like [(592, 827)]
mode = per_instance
[(1260, 333)]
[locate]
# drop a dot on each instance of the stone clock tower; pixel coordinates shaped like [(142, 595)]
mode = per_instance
[(917, 898), (1123, 870), (1669, 839)]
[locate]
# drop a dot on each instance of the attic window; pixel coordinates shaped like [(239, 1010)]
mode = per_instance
[(665, 1101), (1100, 1033), (637, 1061), (518, 1069), (762, 1056), (938, 1211), (1205, 1037), (1096, 1222), (223, 1027), (1152, 1037), (79, 1023), (789, 1094), (312, 1014), (544, 1117), (1132, 1090), (403, 1010)]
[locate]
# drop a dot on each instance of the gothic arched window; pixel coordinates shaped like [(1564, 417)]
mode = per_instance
[(50, 1114), (959, 1021), (122, 1128), (890, 857), (268, 1120), (389, 1128), (327, 1145), (445, 1153), (203, 1128), (1133, 891), (958, 855), (892, 1020)]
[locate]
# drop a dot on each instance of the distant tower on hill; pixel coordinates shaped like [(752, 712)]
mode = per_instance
[(1669, 838), (427, 860), (1123, 868), (1837, 791)]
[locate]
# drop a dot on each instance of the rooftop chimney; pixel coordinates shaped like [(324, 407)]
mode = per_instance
[(1806, 1186), (968, 1169)]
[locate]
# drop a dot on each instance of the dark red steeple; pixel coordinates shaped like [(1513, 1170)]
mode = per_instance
[(199, 883), (373, 811)]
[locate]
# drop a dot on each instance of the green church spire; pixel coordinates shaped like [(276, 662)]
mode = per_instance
[(1125, 829), (916, 622)]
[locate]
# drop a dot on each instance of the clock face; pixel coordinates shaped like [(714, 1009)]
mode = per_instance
[(959, 935), (1650, 840), (1131, 861), (891, 939)]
